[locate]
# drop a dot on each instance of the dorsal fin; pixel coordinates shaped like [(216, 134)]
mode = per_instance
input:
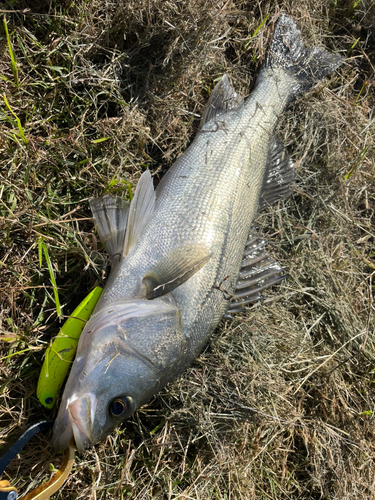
[(278, 183), (258, 272), (141, 207), (176, 267), (222, 99), (111, 216)]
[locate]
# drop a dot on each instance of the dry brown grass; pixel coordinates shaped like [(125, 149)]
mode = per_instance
[(280, 405)]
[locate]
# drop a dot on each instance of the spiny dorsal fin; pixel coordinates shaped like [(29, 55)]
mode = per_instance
[(141, 207), (175, 268), (258, 272), (222, 99), (278, 183), (111, 217)]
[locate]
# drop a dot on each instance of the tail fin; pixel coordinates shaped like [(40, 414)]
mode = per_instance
[(307, 65)]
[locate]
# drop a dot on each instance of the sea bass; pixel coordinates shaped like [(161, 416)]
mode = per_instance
[(187, 253)]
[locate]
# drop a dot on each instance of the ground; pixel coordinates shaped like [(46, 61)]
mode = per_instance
[(280, 405)]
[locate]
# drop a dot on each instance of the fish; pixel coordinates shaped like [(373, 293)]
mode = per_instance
[(187, 253)]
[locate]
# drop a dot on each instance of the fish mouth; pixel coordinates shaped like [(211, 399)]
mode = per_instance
[(79, 413)]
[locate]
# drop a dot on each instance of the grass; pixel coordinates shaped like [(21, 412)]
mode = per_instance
[(43, 250), (12, 55), (281, 402)]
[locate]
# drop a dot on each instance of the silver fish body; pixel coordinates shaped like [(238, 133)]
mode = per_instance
[(182, 261)]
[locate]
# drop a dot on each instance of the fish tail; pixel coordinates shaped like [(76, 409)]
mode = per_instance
[(306, 65)]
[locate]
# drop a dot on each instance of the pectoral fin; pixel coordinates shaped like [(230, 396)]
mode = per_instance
[(174, 269)]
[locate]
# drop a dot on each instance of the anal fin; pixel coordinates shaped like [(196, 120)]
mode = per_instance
[(258, 272), (278, 183)]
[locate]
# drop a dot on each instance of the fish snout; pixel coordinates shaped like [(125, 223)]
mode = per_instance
[(76, 420), (81, 417)]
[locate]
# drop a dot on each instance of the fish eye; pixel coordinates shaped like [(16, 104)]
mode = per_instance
[(121, 407)]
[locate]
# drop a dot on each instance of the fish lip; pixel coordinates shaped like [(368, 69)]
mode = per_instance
[(60, 439), (81, 417)]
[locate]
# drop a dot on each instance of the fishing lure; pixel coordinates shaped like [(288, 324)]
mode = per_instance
[(59, 356)]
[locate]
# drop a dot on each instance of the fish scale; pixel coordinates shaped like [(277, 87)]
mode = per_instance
[(190, 252)]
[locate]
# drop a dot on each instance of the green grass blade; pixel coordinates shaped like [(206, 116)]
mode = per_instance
[(352, 47), (256, 31), (40, 251), (114, 182), (11, 52), (19, 124), (102, 139), (360, 92), (43, 246), (130, 192), (15, 353)]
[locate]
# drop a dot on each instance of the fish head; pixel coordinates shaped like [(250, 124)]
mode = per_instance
[(124, 356)]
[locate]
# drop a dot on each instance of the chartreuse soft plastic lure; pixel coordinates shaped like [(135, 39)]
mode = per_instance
[(60, 354), (54, 371)]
